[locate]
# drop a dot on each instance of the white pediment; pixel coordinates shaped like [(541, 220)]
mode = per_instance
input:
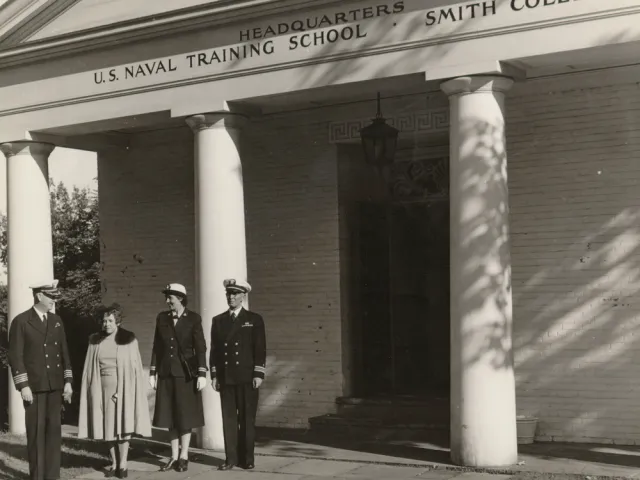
[(25, 21), (88, 14)]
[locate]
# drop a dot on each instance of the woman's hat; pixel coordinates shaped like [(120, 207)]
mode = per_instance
[(175, 289)]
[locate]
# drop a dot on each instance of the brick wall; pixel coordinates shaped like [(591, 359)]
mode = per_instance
[(147, 225), (574, 174), (575, 235)]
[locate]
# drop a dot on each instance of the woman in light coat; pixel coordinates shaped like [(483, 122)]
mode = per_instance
[(113, 397)]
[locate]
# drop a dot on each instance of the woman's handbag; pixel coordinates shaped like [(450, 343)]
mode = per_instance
[(190, 366)]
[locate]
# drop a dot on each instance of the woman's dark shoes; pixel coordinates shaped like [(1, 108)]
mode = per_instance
[(183, 465), (249, 466), (226, 466), (171, 464), (122, 473), (110, 472)]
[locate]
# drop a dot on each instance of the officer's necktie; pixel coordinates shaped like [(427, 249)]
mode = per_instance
[(44, 318)]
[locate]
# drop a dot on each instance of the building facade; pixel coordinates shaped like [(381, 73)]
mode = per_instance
[(496, 260)]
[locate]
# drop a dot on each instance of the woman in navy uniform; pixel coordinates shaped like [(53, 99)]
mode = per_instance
[(178, 372), (41, 367), (237, 361)]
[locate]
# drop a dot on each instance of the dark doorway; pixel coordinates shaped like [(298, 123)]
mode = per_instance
[(404, 298), (395, 269)]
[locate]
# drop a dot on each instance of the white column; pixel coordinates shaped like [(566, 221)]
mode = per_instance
[(30, 247), (220, 233), (483, 410)]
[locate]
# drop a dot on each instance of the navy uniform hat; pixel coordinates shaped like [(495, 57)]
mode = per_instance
[(175, 289), (49, 288), (233, 285)]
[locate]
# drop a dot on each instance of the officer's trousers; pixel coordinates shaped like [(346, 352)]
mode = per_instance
[(239, 407), (44, 435)]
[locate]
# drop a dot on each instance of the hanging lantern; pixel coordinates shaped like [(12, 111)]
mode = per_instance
[(379, 141)]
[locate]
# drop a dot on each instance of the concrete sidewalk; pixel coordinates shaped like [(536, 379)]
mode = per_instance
[(299, 454), (291, 468)]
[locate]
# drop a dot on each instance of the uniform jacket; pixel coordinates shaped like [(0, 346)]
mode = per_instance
[(38, 352), (132, 406), (238, 348), (188, 334)]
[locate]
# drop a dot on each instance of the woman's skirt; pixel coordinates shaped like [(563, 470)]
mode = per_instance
[(109, 389), (178, 405)]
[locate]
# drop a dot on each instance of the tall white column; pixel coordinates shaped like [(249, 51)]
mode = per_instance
[(220, 233), (30, 247), (483, 409)]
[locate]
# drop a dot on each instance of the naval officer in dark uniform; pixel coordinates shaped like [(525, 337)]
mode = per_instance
[(237, 362), (178, 371), (41, 368)]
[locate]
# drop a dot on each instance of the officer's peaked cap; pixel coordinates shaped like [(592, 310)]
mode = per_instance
[(234, 285), (48, 287)]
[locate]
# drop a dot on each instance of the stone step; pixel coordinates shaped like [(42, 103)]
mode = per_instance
[(375, 427), (376, 422), (404, 410)]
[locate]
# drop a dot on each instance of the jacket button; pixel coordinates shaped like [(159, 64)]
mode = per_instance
[(58, 365), (236, 343), (226, 363), (47, 366), (45, 344), (225, 353), (225, 344), (236, 353), (237, 363), (46, 354)]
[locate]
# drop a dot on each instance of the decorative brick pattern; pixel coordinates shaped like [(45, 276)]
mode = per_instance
[(429, 121)]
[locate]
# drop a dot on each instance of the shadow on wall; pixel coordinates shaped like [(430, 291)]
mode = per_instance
[(576, 245)]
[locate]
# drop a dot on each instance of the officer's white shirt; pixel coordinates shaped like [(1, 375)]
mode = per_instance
[(235, 312)]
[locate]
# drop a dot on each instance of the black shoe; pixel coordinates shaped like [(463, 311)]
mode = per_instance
[(226, 466), (183, 465), (122, 473), (170, 465), (110, 472), (249, 466)]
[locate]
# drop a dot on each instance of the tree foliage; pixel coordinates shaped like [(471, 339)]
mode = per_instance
[(76, 252)]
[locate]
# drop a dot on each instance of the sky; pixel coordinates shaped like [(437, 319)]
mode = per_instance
[(72, 167)]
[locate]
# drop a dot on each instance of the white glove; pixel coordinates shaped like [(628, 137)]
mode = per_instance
[(153, 381), (202, 382), (27, 395)]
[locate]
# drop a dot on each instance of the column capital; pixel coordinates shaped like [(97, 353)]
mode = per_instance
[(476, 84), (224, 120), (27, 147)]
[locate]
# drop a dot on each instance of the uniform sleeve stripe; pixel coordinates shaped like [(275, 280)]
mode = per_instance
[(20, 378), (260, 369), (202, 369)]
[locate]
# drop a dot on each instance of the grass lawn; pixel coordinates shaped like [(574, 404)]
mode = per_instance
[(78, 457)]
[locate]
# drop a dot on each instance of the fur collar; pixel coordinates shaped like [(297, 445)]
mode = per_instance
[(123, 337)]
